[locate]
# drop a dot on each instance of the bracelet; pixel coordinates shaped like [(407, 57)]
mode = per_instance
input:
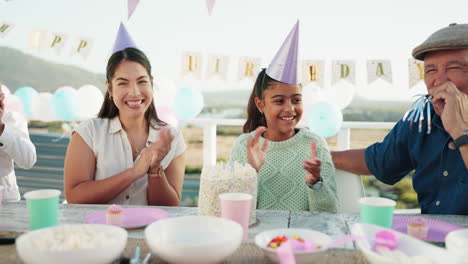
[(159, 173)]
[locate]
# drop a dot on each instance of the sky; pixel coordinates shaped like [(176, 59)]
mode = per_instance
[(358, 30)]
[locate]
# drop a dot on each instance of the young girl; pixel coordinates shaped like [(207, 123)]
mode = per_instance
[(126, 155), (294, 165)]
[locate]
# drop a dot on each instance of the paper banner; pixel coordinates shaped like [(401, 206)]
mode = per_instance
[(379, 69), (56, 41), (5, 28), (82, 46), (218, 65), (343, 70), (132, 4), (416, 72), (210, 4), (37, 40), (249, 67), (313, 71), (191, 64)]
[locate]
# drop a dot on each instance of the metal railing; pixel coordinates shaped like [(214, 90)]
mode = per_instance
[(209, 133)]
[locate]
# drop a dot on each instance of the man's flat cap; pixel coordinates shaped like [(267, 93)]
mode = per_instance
[(455, 36)]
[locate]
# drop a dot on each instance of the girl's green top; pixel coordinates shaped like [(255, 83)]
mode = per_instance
[(281, 181)]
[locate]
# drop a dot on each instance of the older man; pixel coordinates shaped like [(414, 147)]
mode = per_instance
[(15, 146), (439, 159)]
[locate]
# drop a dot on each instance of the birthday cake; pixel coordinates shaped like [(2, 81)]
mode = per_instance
[(222, 178)]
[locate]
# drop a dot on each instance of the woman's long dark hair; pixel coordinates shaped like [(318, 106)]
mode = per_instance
[(108, 108), (254, 117)]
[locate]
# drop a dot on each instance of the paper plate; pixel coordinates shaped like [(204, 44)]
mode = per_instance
[(133, 217), (438, 229)]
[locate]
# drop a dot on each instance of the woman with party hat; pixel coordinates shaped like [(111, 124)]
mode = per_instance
[(294, 165), (126, 155)]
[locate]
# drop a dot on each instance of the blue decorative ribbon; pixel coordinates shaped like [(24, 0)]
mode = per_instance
[(415, 112)]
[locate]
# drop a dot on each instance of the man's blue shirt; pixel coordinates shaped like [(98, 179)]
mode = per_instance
[(440, 178)]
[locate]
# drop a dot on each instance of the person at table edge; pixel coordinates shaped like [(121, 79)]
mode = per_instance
[(439, 158)]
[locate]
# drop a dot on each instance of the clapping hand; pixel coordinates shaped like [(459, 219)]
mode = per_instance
[(312, 166), (160, 148), (142, 166), (256, 154)]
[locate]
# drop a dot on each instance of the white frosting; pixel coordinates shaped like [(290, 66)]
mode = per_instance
[(222, 178), (228, 170)]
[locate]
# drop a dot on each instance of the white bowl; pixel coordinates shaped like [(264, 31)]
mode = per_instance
[(193, 239), (262, 240), (80, 243), (409, 245), (457, 244)]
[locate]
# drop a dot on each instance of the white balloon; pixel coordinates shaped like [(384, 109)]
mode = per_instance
[(167, 114), (90, 99), (13, 104), (311, 94), (165, 91), (41, 108), (341, 94), (4, 89)]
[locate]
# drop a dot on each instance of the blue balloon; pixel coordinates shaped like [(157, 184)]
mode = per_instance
[(65, 104), (26, 94), (324, 119), (188, 103)]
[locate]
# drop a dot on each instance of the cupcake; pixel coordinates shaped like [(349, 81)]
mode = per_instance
[(114, 215), (417, 227)]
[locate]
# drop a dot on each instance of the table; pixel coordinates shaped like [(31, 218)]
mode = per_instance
[(14, 217)]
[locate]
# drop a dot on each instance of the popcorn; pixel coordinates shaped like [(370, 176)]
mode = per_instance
[(222, 178), (73, 237)]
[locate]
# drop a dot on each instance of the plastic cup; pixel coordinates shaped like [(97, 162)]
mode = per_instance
[(42, 208), (377, 211), (236, 207)]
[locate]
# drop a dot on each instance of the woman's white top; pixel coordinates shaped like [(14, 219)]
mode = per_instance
[(111, 147)]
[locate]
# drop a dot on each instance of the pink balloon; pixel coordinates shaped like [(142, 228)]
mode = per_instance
[(64, 88), (167, 114), (13, 104), (5, 90)]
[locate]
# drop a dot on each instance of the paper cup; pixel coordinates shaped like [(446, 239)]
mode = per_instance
[(42, 208), (377, 211), (236, 207)]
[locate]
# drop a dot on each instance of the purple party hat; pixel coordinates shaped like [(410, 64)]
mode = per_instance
[(123, 40), (283, 67)]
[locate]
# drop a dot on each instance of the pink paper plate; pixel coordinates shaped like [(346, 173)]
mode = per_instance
[(133, 217), (438, 229)]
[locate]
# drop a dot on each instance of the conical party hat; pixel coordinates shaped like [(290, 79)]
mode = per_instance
[(283, 67), (123, 40)]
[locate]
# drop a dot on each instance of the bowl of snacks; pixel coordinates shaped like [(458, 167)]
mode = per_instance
[(193, 239), (269, 241), (80, 243), (457, 243), (382, 245)]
